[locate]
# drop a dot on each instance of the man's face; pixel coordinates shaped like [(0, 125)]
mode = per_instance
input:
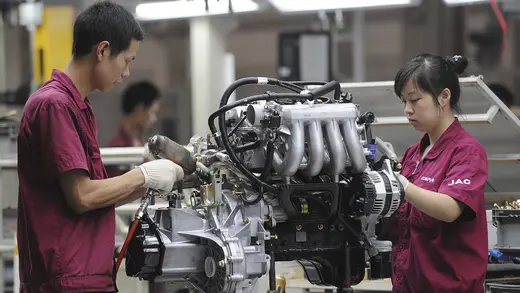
[(111, 70), (147, 116)]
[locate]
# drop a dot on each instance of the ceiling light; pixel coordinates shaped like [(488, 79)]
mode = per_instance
[(193, 8), (288, 6), (464, 2)]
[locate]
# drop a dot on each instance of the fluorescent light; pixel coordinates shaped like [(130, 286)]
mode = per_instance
[(316, 5), (193, 8), (464, 2)]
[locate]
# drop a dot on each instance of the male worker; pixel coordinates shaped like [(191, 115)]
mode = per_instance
[(66, 216), (139, 104)]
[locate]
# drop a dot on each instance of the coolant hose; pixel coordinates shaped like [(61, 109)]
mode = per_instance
[(122, 253)]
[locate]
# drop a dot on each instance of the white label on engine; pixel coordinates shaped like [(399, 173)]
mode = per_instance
[(262, 80)]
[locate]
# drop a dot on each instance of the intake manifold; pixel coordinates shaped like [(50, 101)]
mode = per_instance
[(330, 133)]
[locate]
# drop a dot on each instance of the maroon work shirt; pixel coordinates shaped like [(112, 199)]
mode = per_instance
[(434, 256), (121, 139), (60, 251)]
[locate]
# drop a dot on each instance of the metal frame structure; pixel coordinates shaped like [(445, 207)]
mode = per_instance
[(469, 118), (496, 107)]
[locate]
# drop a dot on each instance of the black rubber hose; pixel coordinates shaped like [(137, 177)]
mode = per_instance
[(237, 126), (247, 81), (222, 125), (268, 160), (225, 98), (272, 269), (222, 140), (332, 86), (247, 146)]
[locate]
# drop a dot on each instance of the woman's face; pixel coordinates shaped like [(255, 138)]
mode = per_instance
[(420, 108)]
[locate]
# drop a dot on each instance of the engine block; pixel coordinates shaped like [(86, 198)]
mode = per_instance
[(289, 176)]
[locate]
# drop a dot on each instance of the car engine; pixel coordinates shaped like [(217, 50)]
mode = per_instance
[(294, 175)]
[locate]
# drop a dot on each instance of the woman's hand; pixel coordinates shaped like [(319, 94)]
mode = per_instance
[(404, 182), (437, 205)]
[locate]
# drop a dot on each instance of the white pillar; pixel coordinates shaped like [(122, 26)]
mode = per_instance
[(358, 39), (229, 68), (3, 55), (208, 38)]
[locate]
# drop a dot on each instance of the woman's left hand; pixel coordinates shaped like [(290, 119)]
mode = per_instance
[(403, 180)]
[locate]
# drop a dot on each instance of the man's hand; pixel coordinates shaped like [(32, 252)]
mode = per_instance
[(403, 180), (161, 174)]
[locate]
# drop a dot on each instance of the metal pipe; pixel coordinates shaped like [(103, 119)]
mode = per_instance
[(354, 147), (337, 152), (316, 155), (358, 52), (289, 165)]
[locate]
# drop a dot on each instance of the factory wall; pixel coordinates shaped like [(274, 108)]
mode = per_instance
[(165, 54), (166, 62), (164, 59)]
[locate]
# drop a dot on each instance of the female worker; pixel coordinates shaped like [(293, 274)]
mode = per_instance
[(440, 233)]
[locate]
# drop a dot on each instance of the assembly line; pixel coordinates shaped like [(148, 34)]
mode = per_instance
[(175, 146)]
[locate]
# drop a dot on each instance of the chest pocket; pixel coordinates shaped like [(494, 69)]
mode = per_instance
[(92, 152)]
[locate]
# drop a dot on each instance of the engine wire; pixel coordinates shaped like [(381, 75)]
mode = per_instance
[(223, 141)]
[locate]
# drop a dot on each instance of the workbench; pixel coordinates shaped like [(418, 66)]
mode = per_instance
[(366, 286)]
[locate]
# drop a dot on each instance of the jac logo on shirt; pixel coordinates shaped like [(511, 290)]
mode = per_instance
[(459, 182), (427, 179)]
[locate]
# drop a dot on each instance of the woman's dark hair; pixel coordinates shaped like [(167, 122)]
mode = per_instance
[(432, 74)]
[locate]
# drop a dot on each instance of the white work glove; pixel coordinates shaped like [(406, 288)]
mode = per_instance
[(403, 180), (161, 174)]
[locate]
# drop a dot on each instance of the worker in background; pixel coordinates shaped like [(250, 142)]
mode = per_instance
[(506, 96), (140, 103), (440, 232), (66, 215)]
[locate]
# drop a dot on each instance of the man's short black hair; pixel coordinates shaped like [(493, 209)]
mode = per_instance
[(105, 21), (503, 93), (139, 93)]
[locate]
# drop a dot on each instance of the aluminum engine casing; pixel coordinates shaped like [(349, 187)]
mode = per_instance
[(223, 251)]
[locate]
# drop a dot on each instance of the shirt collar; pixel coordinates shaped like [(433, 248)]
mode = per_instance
[(446, 138), (66, 82)]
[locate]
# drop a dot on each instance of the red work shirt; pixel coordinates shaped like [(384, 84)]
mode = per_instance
[(60, 251), (121, 139), (434, 256)]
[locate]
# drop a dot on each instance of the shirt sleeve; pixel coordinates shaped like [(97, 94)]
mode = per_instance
[(466, 177), (59, 137)]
